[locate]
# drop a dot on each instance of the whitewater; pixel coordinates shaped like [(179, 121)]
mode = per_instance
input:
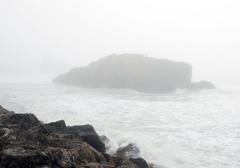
[(185, 129)]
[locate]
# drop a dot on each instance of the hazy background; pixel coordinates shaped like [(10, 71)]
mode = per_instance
[(40, 39)]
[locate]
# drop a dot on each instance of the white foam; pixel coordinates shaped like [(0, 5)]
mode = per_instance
[(178, 130)]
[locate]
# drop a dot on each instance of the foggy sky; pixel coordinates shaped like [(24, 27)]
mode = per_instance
[(40, 39)]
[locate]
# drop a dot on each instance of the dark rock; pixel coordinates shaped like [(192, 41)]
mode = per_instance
[(140, 162), (4, 111), (131, 71), (104, 139), (89, 135), (22, 158), (25, 121), (107, 157), (58, 126), (86, 132), (128, 151), (201, 85), (25, 143), (132, 152), (122, 163)]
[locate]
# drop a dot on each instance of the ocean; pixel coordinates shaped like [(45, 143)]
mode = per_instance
[(186, 129)]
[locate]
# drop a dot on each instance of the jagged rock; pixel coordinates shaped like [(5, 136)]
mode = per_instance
[(89, 135), (201, 85), (128, 151), (58, 126), (24, 121), (4, 111), (19, 157), (140, 162), (104, 139), (86, 132), (123, 163), (34, 145), (132, 152)]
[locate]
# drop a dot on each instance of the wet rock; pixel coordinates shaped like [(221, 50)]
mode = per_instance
[(128, 151), (123, 163), (22, 158), (140, 162), (4, 111), (132, 152), (58, 126), (106, 141), (89, 135), (86, 132), (27, 143), (24, 121)]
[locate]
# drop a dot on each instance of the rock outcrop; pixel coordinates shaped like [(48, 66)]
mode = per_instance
[(86, 132), (25, 142), (133, 152), (128, 151), (131, 71), (201, 85)]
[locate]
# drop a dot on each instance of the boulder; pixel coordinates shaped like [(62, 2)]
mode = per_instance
[(19, 157), (89, 135), (140, 162), (58, 126), (132, 152), (86, 132), (128, 151), (4, 111), (106, 141), (24, 121)]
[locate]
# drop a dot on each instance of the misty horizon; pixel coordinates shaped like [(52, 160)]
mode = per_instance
[(41, 40), (119, 84)]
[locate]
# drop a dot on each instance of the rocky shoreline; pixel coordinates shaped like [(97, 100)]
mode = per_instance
[(25, 142)]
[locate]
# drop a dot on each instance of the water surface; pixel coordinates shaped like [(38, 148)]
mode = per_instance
[(178, 130)]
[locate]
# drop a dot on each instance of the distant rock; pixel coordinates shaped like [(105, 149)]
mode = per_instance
[(131, 71), (201, 85)]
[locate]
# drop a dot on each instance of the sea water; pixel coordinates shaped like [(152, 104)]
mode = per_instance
[(186, 129)]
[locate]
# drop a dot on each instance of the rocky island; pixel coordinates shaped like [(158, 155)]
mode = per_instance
[(25, 142), (137, 72)]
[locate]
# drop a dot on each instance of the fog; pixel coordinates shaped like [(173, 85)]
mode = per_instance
[(42, 39)]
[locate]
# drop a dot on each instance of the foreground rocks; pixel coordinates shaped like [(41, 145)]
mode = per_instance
[(132, 71), (86, 132), (25, 142)]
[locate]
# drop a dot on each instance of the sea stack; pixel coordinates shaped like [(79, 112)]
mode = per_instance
[(132, 71)]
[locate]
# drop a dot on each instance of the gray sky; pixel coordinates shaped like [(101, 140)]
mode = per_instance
[(42, 38)]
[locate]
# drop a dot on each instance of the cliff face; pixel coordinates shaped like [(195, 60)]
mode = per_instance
[(132, 72), (25, 142)]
